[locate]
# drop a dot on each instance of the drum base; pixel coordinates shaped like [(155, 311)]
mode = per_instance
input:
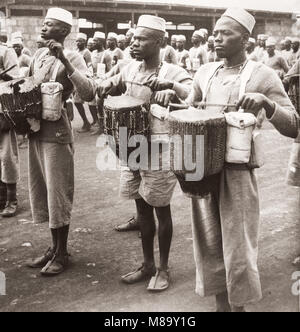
[(200, 189)]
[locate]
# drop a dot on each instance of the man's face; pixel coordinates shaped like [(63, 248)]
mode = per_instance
[(295, 46), (111, 43), (270, 50), (262, 43), (98, 43), (121, 44), (18, 49), (145, 45), (282, 46), (91, 46), (180, 45), (173, 42), (53, 29), (129, 36), (80, 44), (229, 38), (288, 44), (196, 40)]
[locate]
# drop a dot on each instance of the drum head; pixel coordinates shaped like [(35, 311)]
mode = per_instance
[(123, 103), (193, 115)]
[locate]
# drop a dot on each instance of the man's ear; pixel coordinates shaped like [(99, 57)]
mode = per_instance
[(245, 38)]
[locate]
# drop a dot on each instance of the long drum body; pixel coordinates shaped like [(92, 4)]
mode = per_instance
[(211, 125), (125, 112), (21, 100)]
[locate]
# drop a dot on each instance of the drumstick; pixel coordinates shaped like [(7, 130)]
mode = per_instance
[(135, 83), (185, 106), (7, 70)]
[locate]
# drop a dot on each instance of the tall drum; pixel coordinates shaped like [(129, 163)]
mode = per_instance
[(21, 101), (188, 125), (126, 112)]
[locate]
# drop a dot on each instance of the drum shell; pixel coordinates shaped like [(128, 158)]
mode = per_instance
[(135, 119), (214, 132), (21, 99)]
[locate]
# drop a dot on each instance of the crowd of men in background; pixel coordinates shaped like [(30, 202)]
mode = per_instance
[(107, 55)]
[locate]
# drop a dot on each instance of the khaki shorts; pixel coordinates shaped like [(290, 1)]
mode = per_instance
[(155, 187)]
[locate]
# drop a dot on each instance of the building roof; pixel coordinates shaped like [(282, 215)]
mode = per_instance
[(290, 6)]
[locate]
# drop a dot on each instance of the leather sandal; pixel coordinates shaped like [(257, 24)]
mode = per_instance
[(56, 266), (160, 282), (131, 225), (141, 274), (40, 262)]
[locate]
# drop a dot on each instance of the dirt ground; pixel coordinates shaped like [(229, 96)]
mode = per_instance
[(100, 255)]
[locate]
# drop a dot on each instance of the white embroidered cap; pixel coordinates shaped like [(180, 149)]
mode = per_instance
[(252, 40), (99, 35), (181, 38), (82, 36), (271, 42), (60, 14), (17, 34), (152, 22), (242, 17), (121, 38), (17, 41), (112, 35)]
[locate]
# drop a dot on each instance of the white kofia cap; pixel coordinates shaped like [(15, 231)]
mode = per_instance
[(271, 42), (17, 41), (99, 35), (242, 17), (252, 40), (181, 38), (205, 31), (60, 14), (152, 22), (17, 34), (121, 38), (112, 35), (199, 33), (91, 40), (82, 36)]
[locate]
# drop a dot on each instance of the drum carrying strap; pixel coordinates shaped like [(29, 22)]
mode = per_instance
[(244, 77)]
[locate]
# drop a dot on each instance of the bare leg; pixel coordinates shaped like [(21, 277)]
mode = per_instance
[(165, 234), (81, 111), (147, 226), (94, 113)]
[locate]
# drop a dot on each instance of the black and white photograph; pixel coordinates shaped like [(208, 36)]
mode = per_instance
[(149, 158)]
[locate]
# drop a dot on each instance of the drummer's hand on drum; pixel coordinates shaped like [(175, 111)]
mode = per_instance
[(104, 88), (159, 84), (255, 102), (163, 98)]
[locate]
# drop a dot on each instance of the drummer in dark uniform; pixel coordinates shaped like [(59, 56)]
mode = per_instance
[(51, 151), (151, 190), (9, 153), (231, 274)]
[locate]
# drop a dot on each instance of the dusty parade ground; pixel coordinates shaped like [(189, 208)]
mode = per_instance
[(100, 255)]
